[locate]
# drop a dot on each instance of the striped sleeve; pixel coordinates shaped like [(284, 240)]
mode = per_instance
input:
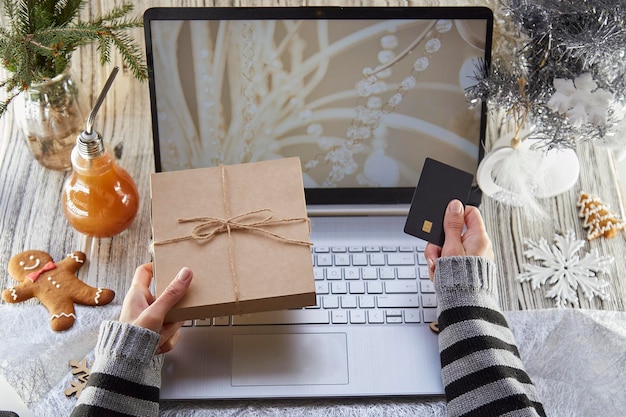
[(125, 377), (481, 368)]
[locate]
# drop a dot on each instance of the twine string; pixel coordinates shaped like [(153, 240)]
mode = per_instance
[(254, 221)]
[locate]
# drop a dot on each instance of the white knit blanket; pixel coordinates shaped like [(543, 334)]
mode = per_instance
[(576, 358)]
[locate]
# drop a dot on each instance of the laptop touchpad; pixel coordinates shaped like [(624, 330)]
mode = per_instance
[(290, 359)]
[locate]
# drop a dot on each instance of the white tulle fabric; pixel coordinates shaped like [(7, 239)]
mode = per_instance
[(575, 357)]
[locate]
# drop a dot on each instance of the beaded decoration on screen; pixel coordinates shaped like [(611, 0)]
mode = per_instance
[(371, 106)]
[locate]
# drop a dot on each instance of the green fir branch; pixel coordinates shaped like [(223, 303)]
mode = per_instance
[(66, 11), (114, 14), (41, 36), (129, 51)]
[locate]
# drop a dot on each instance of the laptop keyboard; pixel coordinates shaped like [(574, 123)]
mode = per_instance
[(357, 285)]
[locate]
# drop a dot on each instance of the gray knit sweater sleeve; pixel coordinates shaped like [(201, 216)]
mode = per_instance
[(125, 377), (481, 368)]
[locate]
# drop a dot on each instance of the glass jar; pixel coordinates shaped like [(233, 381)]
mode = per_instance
[(50, 115)]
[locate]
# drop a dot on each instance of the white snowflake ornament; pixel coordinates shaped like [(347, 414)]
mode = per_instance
[(560, 100), (564, 271), (580, 100)]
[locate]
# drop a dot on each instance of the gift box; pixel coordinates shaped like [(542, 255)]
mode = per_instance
[(244, 232)]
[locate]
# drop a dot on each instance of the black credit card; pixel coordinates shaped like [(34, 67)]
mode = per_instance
[(438, 184)]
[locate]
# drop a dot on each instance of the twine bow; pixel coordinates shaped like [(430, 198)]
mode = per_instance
[(253, 221), (34, 276), (209, 227)]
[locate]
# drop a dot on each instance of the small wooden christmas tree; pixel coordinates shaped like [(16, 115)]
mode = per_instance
[(598, 219)]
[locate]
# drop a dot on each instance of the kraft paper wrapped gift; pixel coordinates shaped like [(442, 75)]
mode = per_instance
[(242, 229)]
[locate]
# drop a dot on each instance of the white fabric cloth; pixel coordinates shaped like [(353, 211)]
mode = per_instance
[(576, 358)]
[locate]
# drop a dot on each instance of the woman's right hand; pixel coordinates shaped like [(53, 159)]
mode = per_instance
[(474, 242)]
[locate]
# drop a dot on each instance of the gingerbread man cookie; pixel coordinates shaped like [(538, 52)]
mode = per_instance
[(54, 284)]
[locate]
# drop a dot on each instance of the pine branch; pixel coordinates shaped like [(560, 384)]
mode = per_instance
[(129, 51), (66, 11), (21, 17), (114, 14), (5, 104), (42, 35), (104, 47)]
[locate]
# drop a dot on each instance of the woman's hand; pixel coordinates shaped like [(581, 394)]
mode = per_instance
[(474, 242), (143, 309)]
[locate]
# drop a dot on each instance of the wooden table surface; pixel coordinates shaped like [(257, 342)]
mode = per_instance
[(31, 216)]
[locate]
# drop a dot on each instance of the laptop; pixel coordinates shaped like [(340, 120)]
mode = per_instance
[(363, 95)]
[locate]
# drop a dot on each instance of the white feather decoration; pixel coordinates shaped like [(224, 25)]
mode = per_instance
[(523, 173)]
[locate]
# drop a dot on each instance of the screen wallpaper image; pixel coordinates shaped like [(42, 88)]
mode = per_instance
[(361, 102)]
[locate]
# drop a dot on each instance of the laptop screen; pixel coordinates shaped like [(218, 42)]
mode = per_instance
[(361, 95)]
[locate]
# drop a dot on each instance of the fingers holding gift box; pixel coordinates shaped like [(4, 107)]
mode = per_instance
[(244, 232)]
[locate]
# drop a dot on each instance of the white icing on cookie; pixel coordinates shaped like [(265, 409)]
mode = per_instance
[(75, 258), (58, 316), (13, 293), (34, 266), (98, 295)]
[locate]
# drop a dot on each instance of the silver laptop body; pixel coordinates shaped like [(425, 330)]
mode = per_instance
[(362, 96)]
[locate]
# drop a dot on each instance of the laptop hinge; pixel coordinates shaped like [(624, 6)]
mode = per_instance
[(360, 210)]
